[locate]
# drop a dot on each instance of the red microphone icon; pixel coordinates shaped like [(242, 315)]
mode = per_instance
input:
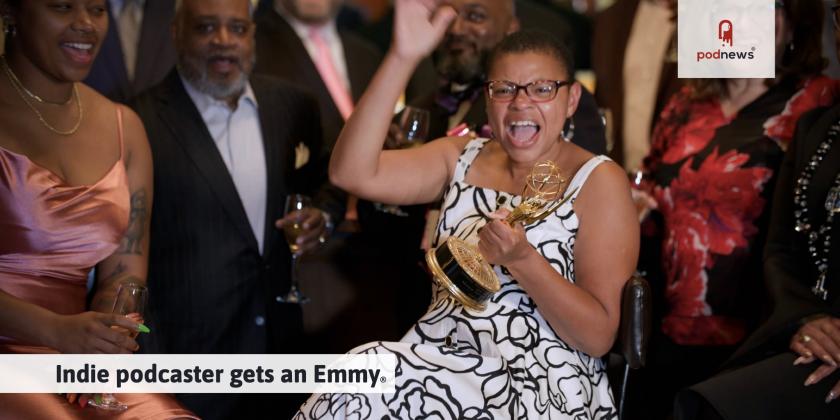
[(725, 32)]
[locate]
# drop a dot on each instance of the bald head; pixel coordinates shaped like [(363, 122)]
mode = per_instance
[(479, 27)]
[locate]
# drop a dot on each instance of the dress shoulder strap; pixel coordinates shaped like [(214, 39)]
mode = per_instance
[(120, 131), (583, 174), (472, 149)]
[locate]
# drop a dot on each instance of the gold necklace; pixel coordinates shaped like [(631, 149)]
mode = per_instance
[(29, 93), (19, 88)]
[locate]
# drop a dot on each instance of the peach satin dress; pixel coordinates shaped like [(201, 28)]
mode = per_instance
[(51, 235)]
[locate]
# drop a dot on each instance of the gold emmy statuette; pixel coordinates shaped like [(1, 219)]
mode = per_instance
[(458, 266)]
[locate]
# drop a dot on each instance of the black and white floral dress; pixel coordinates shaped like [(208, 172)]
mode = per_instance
[(501, 363)]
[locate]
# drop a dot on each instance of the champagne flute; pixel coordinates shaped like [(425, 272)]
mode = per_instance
[(130, 301), (295, 203), (414, 125)]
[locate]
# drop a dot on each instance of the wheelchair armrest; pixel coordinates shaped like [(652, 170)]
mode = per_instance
[(635, 329)]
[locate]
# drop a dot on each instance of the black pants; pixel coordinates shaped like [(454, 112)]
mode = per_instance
[(772, 389), (670, 367)]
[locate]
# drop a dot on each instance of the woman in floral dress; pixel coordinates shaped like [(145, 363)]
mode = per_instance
[(714, 156)]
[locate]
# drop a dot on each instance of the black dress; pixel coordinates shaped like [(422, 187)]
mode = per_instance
[(762, 382)]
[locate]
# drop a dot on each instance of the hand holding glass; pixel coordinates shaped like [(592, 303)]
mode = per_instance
[(295, 203), (130, 301)]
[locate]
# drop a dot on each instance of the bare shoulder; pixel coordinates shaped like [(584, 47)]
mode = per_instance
[(449, 149), (451, 146), (105, 113), (606, 189)]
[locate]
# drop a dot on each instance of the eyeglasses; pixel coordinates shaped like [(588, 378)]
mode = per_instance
[(835, 14), (537, 91)]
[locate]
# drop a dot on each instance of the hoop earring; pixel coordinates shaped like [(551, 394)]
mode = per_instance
[(569, 134)]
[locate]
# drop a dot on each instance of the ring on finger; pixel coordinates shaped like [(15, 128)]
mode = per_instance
[(805, 338)]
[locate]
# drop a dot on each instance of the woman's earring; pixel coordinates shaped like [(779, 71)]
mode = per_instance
[(569, 133), (791, 46)]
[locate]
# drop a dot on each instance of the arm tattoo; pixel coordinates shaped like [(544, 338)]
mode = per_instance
[(132, 241)]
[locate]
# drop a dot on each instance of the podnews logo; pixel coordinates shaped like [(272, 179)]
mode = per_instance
[(725, 34)]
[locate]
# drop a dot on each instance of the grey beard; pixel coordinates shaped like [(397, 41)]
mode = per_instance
[(457, 70), (195, 72)]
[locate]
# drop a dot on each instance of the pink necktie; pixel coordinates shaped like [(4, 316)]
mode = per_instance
[(326, 68)]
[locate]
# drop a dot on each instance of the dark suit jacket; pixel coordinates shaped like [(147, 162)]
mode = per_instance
[(212, 291), (282, 54), (155, 54), (788, 269), (589, 128), (609, 43)]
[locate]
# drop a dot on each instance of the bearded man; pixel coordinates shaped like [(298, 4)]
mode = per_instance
[(228, 148)]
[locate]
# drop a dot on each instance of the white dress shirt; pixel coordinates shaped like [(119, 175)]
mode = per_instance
[(238, 137)]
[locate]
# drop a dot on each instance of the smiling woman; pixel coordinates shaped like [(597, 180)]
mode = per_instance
[(75, 187), (534, 349)]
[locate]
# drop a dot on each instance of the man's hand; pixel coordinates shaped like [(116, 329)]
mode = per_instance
[(311, 225)]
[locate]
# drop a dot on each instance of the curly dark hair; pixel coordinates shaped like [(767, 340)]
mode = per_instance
[(802, 59), (534, 41)]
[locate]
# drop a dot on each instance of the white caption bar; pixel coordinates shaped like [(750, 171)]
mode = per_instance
[(194, 373)]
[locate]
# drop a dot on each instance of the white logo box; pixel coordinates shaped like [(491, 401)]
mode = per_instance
[(705, 29), (197, 373)]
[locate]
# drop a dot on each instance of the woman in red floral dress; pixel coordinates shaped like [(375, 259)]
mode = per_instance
[(711, 171)]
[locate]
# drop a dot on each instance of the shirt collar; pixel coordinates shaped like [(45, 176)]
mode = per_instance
[(328, 30), (204, 101)]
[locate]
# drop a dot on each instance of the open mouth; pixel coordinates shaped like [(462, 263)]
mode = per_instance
[(80, 52), (223, 64), (523, 132)]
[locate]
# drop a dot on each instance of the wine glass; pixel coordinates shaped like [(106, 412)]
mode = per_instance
[(130, 301), (295, 203), (414, 125)]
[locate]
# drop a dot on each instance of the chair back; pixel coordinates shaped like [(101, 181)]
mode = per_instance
[(633, 334)]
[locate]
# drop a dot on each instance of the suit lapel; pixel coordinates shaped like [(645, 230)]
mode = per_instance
[(298, 55), (271, 123), (356, 73), (181, 116)]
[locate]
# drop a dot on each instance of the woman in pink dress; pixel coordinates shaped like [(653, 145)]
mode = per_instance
[(75, 193)]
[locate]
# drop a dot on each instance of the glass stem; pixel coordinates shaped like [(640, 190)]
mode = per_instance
[(294, 271)]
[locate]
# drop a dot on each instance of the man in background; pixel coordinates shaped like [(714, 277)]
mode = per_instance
[(458, 105), (298, 41), (137, 52), (227, 147)]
